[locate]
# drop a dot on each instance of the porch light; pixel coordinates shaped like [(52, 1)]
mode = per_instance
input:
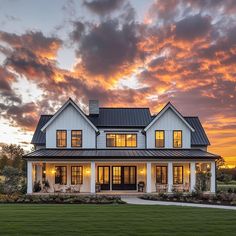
[(53, 171), (142, 171), (87, 171), (44, 171)]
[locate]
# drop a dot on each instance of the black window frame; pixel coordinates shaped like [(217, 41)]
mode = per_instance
[(163, 138), (115, 134), (61, 130), (74, 130), (162, 166), (80, 175), (61, 183), (182, 177), (181, 138)]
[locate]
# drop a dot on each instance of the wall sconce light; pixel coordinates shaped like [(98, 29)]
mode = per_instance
[(53, 171), (142, 171), (44, 171), (87, 171)]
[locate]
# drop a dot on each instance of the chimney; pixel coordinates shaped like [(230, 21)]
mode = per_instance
[(93, 107)]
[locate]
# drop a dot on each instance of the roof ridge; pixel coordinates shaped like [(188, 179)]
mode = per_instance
[(124, 108)]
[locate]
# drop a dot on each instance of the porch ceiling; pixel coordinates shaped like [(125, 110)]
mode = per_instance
[(120, 154)]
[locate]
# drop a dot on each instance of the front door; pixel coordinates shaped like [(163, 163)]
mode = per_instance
[(124, 178), (104, 177)]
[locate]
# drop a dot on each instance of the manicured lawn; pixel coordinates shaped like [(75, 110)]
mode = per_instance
[(114, 220)]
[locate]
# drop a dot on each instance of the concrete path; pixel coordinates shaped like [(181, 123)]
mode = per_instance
[(138, 201)]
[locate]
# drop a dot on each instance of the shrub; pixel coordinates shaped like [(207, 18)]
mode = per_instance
[(37, 187)]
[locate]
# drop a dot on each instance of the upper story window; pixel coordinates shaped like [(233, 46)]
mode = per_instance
[(121, 140), (160, 138), (177, 138), (61, 138), (76, 138)]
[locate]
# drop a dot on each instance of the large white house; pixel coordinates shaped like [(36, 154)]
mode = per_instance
[(118, 150)]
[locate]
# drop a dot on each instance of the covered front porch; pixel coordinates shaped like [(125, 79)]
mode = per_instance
[(117, 176)]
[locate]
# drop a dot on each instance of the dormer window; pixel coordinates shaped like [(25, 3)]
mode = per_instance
[(121, 140), (76, 138), (61, 138), (160, 138), (177, 138)]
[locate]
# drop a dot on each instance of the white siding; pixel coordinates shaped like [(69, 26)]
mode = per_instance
[(69, 120), (101, 138), (169, 121)]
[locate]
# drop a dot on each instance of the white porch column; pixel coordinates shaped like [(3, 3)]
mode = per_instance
[(192, 176), (149, 177), (39, 172), (213, 177), (29, 177), (92, 176), (170, 176)]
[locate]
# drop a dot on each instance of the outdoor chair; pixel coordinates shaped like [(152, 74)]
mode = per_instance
[(141, 186), (57, 188), (161, 188)]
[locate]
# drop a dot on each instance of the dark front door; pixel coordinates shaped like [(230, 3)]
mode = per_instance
[(104, 177), (124, 178)]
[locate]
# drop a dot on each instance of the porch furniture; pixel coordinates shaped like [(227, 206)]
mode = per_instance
[(75, 188), (98, 187), (186, 187), (57, 188), (68, 189), (161, 188), (141, 186)]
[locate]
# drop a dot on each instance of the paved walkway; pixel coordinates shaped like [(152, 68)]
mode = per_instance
[(138, 201)]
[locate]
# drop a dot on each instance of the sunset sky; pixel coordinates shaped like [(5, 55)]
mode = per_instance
[(138, 53)]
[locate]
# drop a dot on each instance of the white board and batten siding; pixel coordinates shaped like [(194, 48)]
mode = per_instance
[(101, 138), (168, 122), (70, 119)]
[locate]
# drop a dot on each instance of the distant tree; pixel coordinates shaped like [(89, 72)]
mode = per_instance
[(12, 155), (220, 163)]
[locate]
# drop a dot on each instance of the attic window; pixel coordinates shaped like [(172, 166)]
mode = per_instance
[(76, 138)]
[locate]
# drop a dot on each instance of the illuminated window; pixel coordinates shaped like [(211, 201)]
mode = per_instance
[(103, 174), (61, 138), (121, 140), (178, 175), (116, 176), (160, 138), (76, 175), (76, 138), (60, 175), (161, 174), (177, 138)]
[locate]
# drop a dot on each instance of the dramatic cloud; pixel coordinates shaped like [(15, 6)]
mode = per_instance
[(183, 52), (101, 7)]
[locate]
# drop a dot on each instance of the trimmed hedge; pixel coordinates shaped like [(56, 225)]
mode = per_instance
[(61, 199), (226, 188), (222, 198)]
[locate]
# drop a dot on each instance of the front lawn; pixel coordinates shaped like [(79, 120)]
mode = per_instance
[(29, 219)]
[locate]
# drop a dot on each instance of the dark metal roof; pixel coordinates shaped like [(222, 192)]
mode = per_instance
[(39, 137), (127, 118), (121, 117), (121, 154), (199, 137)]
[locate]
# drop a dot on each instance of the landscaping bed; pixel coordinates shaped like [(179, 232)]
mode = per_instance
[(228, 199), (61, 199)]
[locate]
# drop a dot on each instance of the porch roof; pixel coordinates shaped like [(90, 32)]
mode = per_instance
[(110, 154)]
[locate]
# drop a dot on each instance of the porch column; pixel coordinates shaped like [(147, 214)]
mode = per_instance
[(29, 177), (149, 177), (170, 176), (39, 171), (192, 176), (92, 176), (213, 177)]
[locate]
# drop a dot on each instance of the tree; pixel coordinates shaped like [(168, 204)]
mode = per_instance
[(12, 155), (13, 180)]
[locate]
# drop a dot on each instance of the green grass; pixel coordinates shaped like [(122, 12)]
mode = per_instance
[(23, 219)]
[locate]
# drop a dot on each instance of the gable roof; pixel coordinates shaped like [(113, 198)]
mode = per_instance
[(69, 102), (166, 107), (122, 117)]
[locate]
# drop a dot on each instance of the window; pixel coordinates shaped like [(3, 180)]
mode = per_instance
[(121, 140), (161, 174), (60, 175), (104, 174), (76, 175), (129, 175), (160, 138), (76, 138), (61, 138), (177, 138), (116, 177), (178, 175)]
